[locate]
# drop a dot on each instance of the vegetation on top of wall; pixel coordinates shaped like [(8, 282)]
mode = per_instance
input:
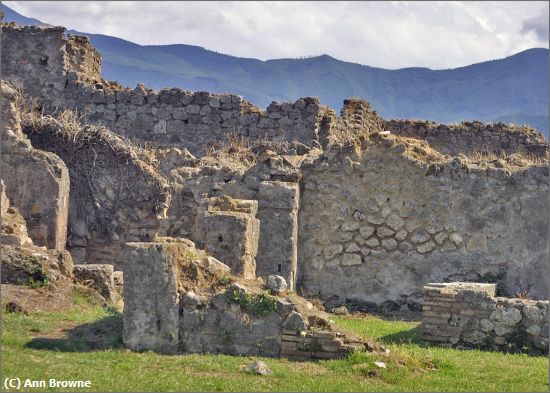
[(259, 305), (98, 159)]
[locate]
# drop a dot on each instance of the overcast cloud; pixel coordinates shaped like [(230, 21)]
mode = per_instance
[(383, 34)]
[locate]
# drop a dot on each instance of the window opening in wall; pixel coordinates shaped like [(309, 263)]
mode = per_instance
[(220, 238), (279, 268)]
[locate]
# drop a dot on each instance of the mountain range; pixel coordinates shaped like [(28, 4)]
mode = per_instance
[(512, 90)]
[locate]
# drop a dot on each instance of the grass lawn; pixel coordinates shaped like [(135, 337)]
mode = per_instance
[(85, 343)]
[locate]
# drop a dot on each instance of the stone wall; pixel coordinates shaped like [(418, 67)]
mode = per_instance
[(358, 117), (177, 299), (379, 221), (36, 182), (117, 192), (41, 60), (473, 136), (65, 72), (469, 314), (271, 181), (194, 120)]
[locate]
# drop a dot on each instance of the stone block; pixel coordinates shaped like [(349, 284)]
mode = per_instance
[(151, 300), (231, 237), (99, 277), (351, 259), (278, 246), (278, 195)]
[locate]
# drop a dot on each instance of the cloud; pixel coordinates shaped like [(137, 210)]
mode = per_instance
[(538, 24), (389, 34)]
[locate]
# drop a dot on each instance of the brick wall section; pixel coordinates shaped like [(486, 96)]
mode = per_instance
[(471, 136), (304, 345), (469, 314)]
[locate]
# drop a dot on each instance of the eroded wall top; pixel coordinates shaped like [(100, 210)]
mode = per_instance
[(65, 72)]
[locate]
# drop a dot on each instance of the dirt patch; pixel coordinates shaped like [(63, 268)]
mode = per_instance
[(28, 300), (58, 297)]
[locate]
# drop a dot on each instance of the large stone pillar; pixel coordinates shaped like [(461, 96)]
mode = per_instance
[(151, 300)]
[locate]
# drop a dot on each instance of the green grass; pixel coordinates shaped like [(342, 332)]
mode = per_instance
[(93, 350)]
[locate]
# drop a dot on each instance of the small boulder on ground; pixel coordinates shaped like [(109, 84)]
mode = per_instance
[(258, 367), (342, 310)]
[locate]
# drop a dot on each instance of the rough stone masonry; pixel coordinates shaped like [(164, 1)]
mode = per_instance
[(469, 314), (347, 212)]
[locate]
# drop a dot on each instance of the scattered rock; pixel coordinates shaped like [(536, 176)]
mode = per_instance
[(342, 310), (276, 283), (258, 367)]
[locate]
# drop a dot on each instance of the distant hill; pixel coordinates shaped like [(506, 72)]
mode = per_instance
[(513, 89)]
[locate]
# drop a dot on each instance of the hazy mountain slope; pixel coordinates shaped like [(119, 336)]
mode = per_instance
[(513, 89)]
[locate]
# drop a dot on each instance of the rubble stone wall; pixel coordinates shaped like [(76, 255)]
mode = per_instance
[(468, 137), (166, 310), (469, 314), (65, 72), (117, 193), (375, 225)]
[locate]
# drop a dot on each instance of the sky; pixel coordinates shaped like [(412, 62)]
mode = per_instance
[(388, 34)]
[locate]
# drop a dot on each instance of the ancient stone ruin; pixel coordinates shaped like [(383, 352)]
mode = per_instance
[(469, 314), (219, 213)]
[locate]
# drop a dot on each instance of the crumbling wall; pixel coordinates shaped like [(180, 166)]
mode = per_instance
[(194, 120), (14, 227), (65, 72), (469, 314), (82, 58), (270, 179), (36, 182), (41, 60), (117, 192), (358, 117), (468, 137), (377, 222), (178, 299)]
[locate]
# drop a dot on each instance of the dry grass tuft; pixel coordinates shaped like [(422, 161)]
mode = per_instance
[(240, 153), (98, 160)]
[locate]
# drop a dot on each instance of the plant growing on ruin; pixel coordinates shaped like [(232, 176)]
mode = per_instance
[(225, 280), (107, 171), (518, 341), (259, 305)]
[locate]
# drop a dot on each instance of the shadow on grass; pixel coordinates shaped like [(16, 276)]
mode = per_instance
[(105, 333), (411, 336)]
